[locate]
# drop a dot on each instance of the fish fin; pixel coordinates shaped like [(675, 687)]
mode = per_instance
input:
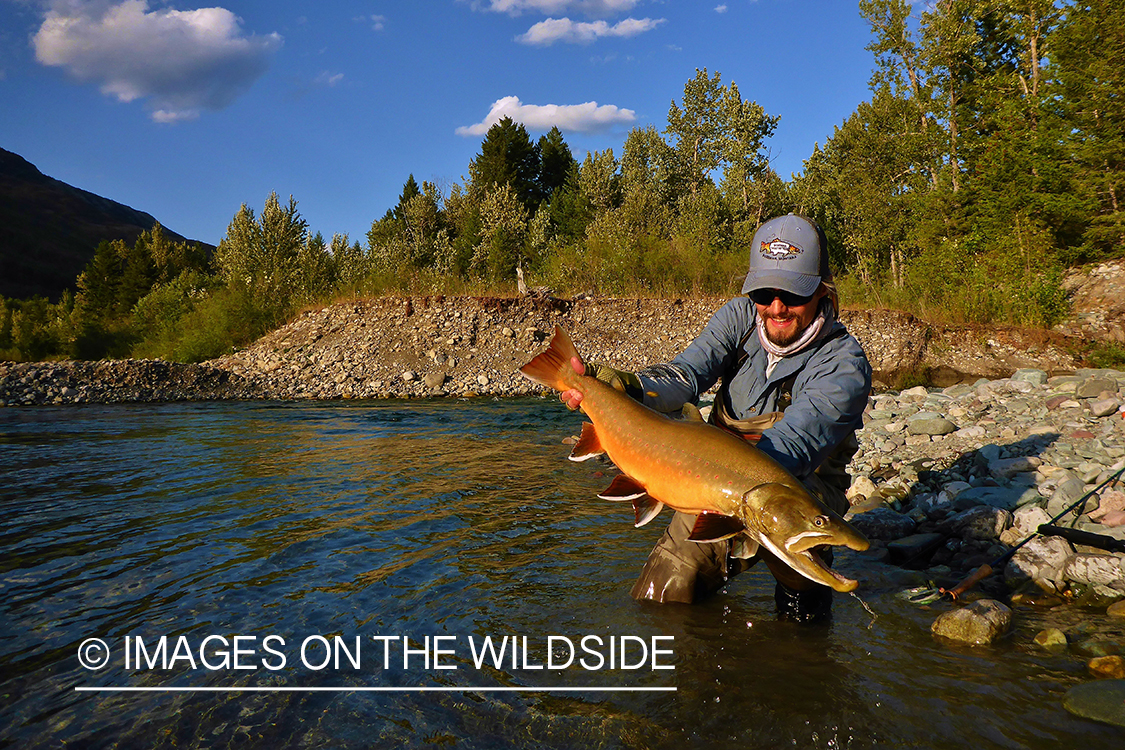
[(743, 547), (714, 527), (552, 368), (588, 445), (646, 508), (691, 413), (622, 488)]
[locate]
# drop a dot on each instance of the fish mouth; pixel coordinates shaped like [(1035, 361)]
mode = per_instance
[(807, 562), (825, 574), (807, 540)]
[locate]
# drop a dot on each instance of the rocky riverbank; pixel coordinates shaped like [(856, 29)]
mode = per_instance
[(950, 479), (435, 346)]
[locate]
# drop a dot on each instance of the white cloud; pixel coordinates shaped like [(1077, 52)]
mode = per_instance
[(183, 61), (589, 8), (578, 118), (328, 79), (720, 9), (378, 22), (564, 30)]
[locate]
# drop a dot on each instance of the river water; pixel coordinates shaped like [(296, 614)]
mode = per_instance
[(259, 542)]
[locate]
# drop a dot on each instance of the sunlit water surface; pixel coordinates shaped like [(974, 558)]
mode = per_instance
[(458, 519)]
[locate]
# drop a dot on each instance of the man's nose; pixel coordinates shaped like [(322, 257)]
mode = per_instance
[(777, 307)]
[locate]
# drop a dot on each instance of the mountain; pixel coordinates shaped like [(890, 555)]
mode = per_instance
[(49, 230)]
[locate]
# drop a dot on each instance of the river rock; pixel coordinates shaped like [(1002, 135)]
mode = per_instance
[(981, 522), (1025, 522), (434, 380), (1102, 700), (1095, 386), (1051, 639), (1030, 375), (883, 523), (1005, 498), (1087, 567), (1112, 667), (1104, 407), (861, 488), (929, 423), (914, 547), (1067, 494), (979, 623), (1005, 468), (1097, 646), (1042, 560), (1117, 609)]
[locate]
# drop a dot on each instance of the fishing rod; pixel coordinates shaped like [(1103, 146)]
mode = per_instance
[(987, 569)]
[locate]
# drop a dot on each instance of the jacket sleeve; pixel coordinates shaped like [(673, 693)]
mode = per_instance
[(671, 385), (829, 397)]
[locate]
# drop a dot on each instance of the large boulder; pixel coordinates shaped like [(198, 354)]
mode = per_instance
[(979, 623), (1101, 700), (981, 522), (1094, 568), (1042, 560)]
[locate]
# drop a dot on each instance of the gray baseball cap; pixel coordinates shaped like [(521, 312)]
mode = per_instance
[(788, 253)]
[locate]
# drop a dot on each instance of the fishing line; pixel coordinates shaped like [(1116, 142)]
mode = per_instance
[(870, 611)]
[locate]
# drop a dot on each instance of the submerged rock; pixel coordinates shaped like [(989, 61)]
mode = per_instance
[(979, 623), (1112, 667), (1051, 639), (1103, 700)]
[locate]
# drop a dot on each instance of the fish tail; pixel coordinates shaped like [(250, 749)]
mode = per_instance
[(552, 368)]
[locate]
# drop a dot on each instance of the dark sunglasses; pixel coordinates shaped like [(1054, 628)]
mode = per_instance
[(766, 297)]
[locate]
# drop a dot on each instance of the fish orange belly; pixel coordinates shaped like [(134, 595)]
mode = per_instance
[(676, 464)]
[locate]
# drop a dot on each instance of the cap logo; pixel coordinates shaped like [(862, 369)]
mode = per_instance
[(779, 249)]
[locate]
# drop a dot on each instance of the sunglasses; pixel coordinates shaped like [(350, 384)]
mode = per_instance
[(766, 297)]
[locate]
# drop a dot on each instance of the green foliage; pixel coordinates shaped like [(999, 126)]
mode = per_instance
[(35, 329), (1109, 355), (259, 259), (556, 162), (215, 326), (507, 157), (1089, 52), (157, 318)]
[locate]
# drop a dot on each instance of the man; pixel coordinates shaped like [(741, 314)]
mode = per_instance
[(793, 380)]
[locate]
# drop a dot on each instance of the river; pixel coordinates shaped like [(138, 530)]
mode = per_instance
[(237, 561)]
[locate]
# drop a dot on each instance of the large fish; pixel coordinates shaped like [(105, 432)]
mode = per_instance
[(736, 490)]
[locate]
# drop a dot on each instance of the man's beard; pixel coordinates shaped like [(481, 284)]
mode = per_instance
[(782, 338)]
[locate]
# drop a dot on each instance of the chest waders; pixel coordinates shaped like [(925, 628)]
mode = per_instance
[(679, 570)]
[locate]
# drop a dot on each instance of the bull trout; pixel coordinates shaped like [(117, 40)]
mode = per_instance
[(736, 491)]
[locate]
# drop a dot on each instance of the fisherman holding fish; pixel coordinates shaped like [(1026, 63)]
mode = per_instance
[(793, 381)]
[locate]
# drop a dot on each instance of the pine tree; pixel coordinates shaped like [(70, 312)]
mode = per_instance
[(507, 157), (555, 161)]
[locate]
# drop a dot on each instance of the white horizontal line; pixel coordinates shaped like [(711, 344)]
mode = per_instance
[(113, 689)]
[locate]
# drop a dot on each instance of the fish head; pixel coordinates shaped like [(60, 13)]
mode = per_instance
[(791, 523)]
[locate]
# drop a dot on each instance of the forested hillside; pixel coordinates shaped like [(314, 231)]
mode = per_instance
[(51, 229), (989, 157)]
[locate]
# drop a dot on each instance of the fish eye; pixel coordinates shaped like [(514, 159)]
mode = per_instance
[(821, 521)]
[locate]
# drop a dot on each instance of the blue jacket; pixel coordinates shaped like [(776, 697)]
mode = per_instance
[(829, 394)]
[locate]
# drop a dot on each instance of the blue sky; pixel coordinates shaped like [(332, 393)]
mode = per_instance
[(187, 111)]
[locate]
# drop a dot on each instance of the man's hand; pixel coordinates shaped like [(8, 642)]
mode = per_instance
[(626, 382), (573, 398)]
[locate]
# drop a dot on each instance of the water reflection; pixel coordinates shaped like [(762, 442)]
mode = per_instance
[(424, 519)]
